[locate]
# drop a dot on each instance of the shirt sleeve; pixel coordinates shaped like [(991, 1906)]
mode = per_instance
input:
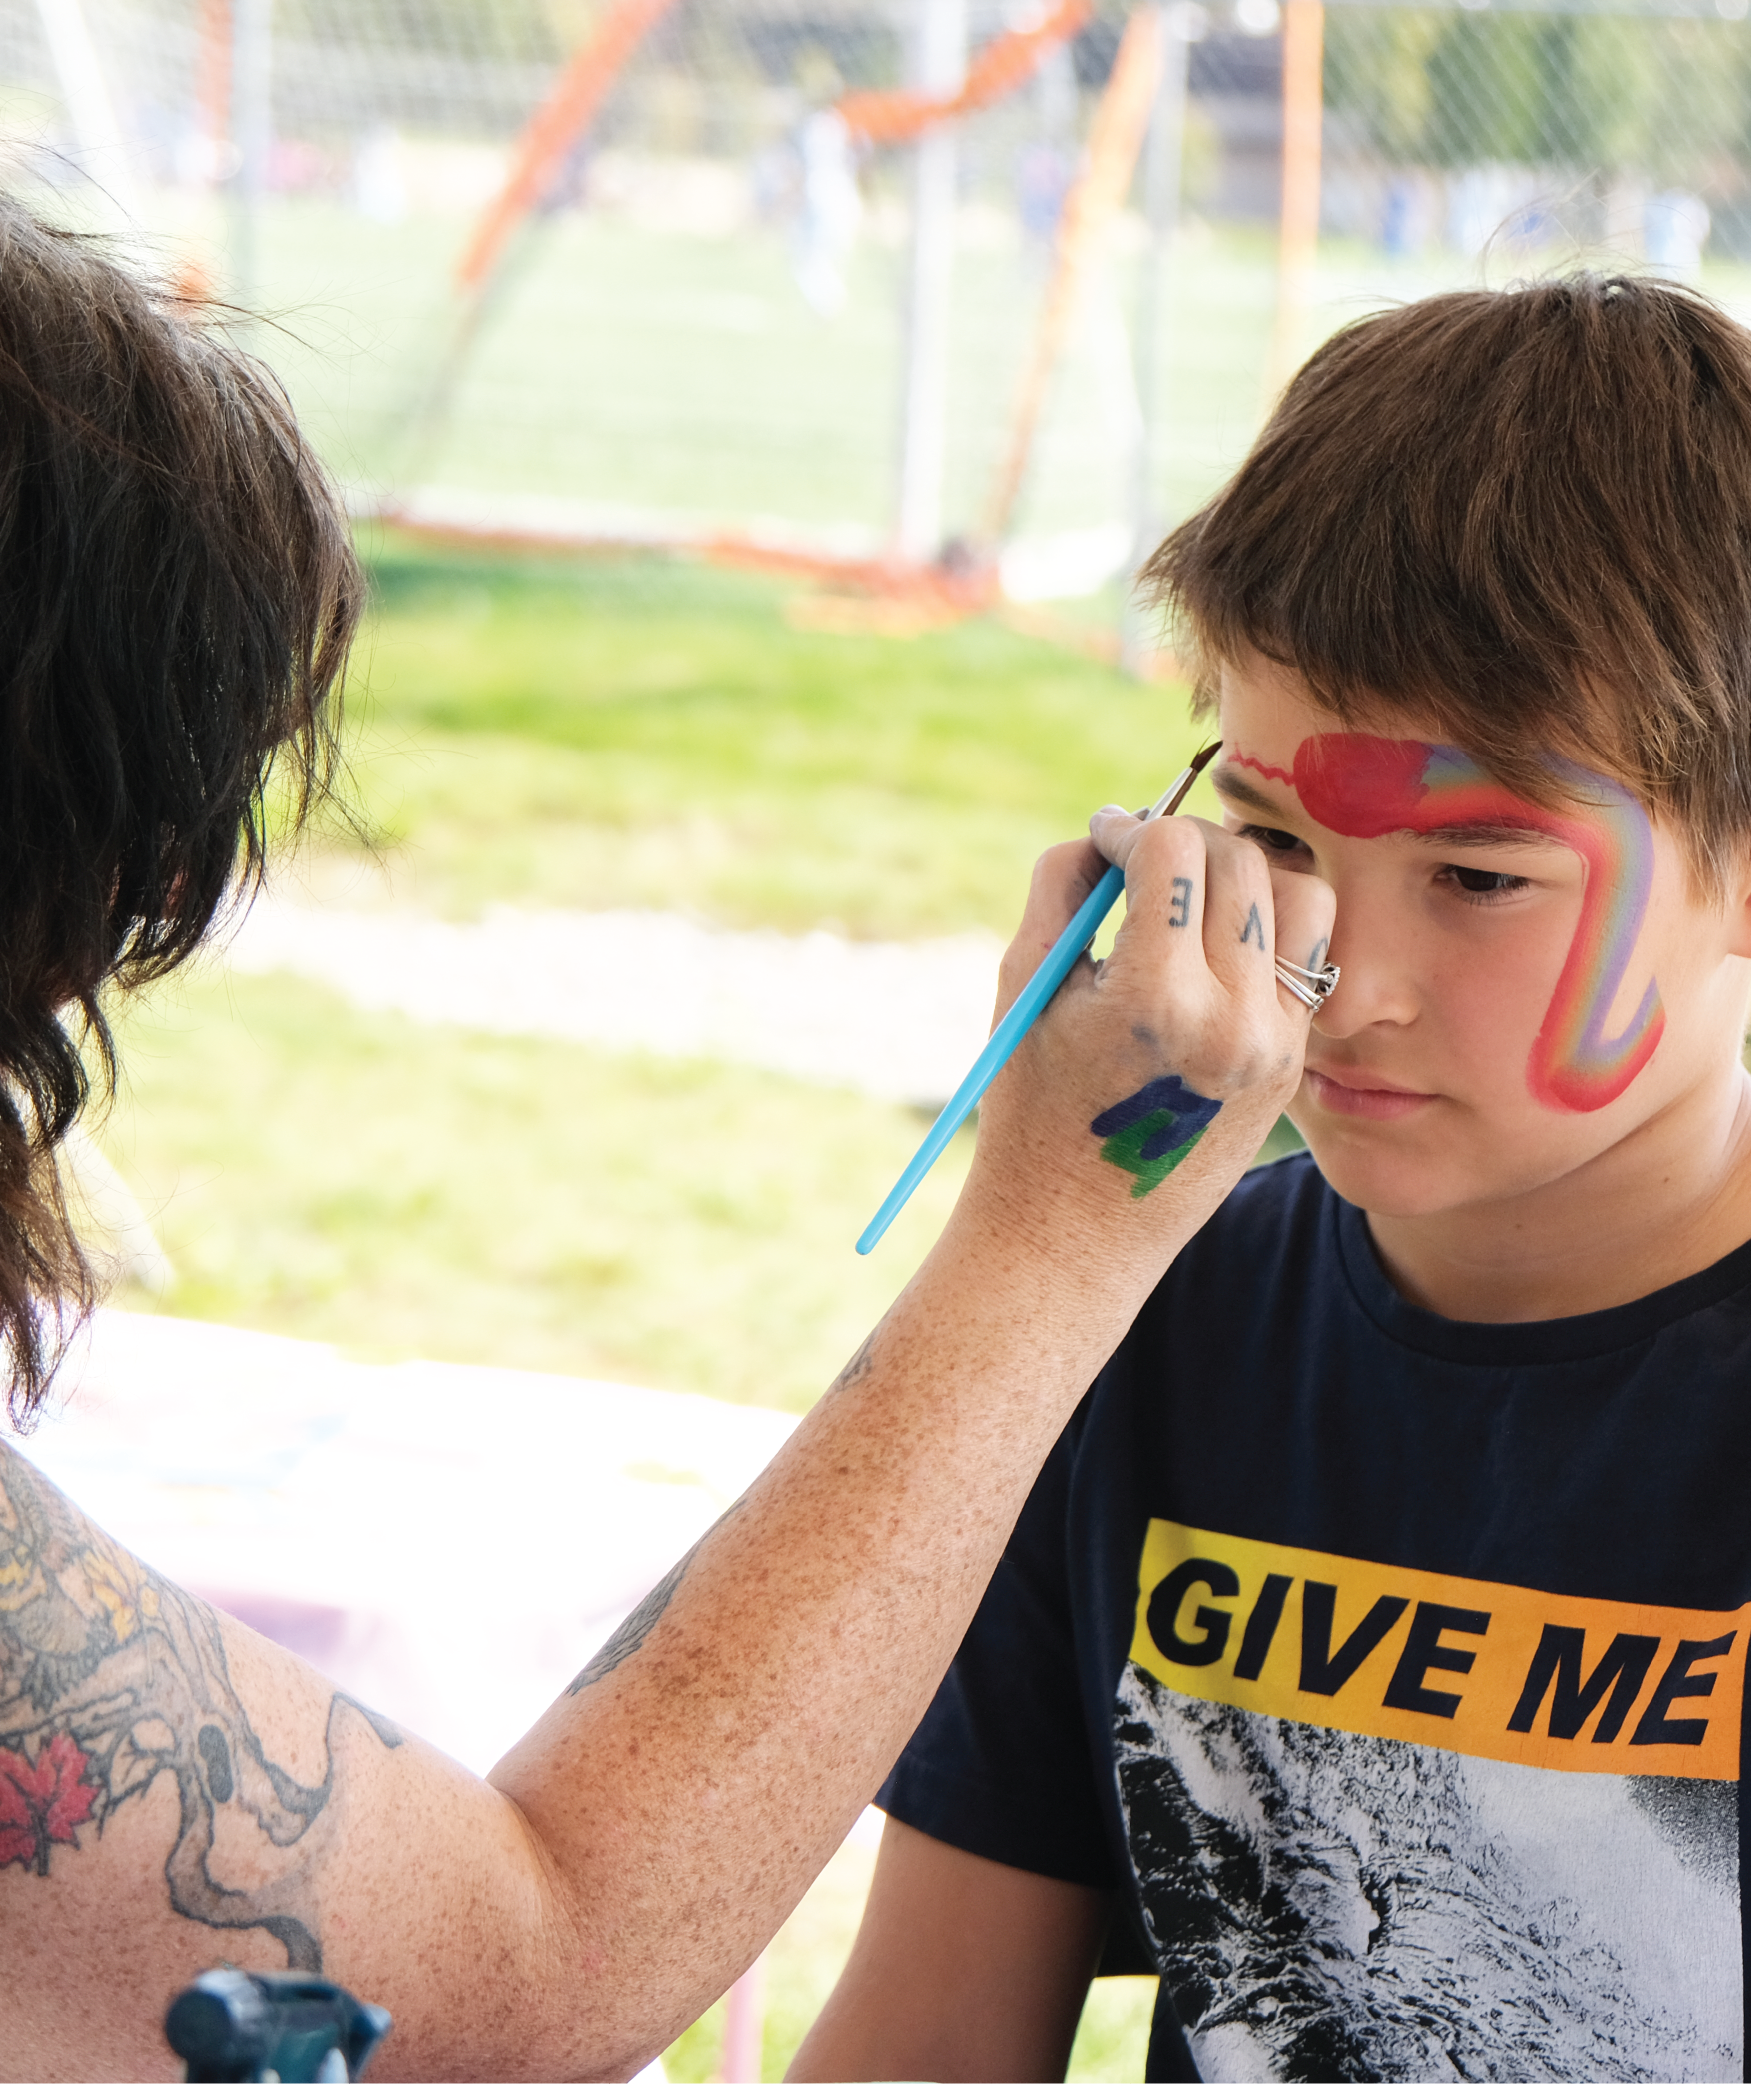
[(1001, 1764)]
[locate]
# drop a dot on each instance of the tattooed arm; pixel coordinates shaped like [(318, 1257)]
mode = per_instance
[(112, 1681), (174, 1791)]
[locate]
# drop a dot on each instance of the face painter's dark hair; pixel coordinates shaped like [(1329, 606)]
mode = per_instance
[(1521, 514), (177, 594)]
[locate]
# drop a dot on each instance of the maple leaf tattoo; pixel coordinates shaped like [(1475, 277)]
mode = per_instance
[(111, 1679), (42, 1801)]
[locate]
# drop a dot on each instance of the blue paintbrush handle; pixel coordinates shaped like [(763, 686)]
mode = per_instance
[(1035, 995)]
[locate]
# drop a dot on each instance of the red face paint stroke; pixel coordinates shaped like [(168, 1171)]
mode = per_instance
[(1366, 787)]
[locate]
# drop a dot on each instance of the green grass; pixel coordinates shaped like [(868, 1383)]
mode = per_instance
[(680, 372), (670, 371), (654, 732), (409, 1190), (683, 373)]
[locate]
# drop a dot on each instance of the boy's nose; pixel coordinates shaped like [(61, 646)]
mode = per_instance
[(1378, 986)]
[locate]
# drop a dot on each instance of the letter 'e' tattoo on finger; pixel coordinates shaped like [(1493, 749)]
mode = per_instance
[(1154, 1130), (1179, 910), (1254, 930)]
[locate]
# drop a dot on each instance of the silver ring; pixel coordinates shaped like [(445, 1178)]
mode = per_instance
[(1311, 987)]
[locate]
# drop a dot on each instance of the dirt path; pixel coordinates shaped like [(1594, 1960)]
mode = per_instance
[(895, 1020)]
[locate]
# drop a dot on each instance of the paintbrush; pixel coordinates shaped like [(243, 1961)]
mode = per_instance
[(1032, 1001)]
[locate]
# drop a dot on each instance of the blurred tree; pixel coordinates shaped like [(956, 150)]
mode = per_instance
[(1595, 93), (1377, 73)]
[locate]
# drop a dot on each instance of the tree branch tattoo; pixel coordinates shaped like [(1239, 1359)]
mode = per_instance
[(631, 1635), (1154, 1130), (856, 1367), (111, 1677)]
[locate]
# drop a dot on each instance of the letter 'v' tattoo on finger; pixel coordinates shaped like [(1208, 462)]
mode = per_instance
[(1154, 1130), (1254, 931)]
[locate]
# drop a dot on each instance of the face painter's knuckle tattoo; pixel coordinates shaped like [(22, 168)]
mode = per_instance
[(1252, 934), (1153, 1131), (1179, 911)]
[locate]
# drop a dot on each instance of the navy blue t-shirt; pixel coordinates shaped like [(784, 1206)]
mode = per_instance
[(1390, 1669)]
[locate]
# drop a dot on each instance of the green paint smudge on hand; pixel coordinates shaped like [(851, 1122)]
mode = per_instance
[(1154, 1130)]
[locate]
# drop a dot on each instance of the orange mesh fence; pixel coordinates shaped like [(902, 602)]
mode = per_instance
[(892, 116)]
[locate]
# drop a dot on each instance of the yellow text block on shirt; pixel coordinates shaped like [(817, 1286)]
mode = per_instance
[(1493, 1671)]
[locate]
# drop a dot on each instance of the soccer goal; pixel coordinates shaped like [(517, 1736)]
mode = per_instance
[(987, 293)]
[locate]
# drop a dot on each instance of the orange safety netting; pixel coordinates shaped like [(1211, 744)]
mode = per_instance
[(1120, 124), (555, 128), (891, 116)]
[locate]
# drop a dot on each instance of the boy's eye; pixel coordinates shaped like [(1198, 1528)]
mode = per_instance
[(1485, 882), (1268, 837)]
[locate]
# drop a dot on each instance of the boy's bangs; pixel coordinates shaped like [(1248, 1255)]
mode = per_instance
[(1522, 517)]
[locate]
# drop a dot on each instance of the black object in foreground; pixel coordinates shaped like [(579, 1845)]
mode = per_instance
[(230, 2025)]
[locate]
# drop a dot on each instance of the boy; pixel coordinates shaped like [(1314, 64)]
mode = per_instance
[(1371, 1654)]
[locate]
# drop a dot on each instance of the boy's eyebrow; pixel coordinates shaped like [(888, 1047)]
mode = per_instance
[(1473, 832), (1488, 832), (1226, 782)]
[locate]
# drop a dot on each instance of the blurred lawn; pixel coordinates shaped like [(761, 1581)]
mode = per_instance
[(591, 733), (654, 732), (409, 1190)]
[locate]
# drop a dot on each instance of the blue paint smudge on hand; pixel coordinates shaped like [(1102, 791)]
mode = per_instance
[(1154, 1130)]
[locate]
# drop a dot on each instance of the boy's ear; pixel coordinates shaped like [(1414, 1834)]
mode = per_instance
[(1738, 905)]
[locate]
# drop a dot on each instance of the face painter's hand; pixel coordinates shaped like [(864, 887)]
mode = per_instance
[(1147, 1086)]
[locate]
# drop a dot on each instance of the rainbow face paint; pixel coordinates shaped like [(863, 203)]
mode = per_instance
[(1367, 787), (1154, 1130)]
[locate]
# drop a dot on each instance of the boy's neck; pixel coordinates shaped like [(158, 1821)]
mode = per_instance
[(1666, 1202)]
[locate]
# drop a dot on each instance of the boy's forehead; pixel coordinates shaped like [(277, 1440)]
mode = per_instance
[(1265, 703), (1268, 716)]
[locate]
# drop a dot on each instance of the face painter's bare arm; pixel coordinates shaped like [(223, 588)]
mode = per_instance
[(715, 1753)]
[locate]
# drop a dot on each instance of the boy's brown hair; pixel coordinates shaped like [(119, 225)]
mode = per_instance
[(1524, 514)]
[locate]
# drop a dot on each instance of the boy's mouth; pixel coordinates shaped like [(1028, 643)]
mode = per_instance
[(1364, 1095)]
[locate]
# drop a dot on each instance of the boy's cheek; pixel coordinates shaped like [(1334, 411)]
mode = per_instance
[(1482, 1013)]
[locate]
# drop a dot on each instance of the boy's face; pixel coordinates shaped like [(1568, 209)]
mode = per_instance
[(1523, 989)]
